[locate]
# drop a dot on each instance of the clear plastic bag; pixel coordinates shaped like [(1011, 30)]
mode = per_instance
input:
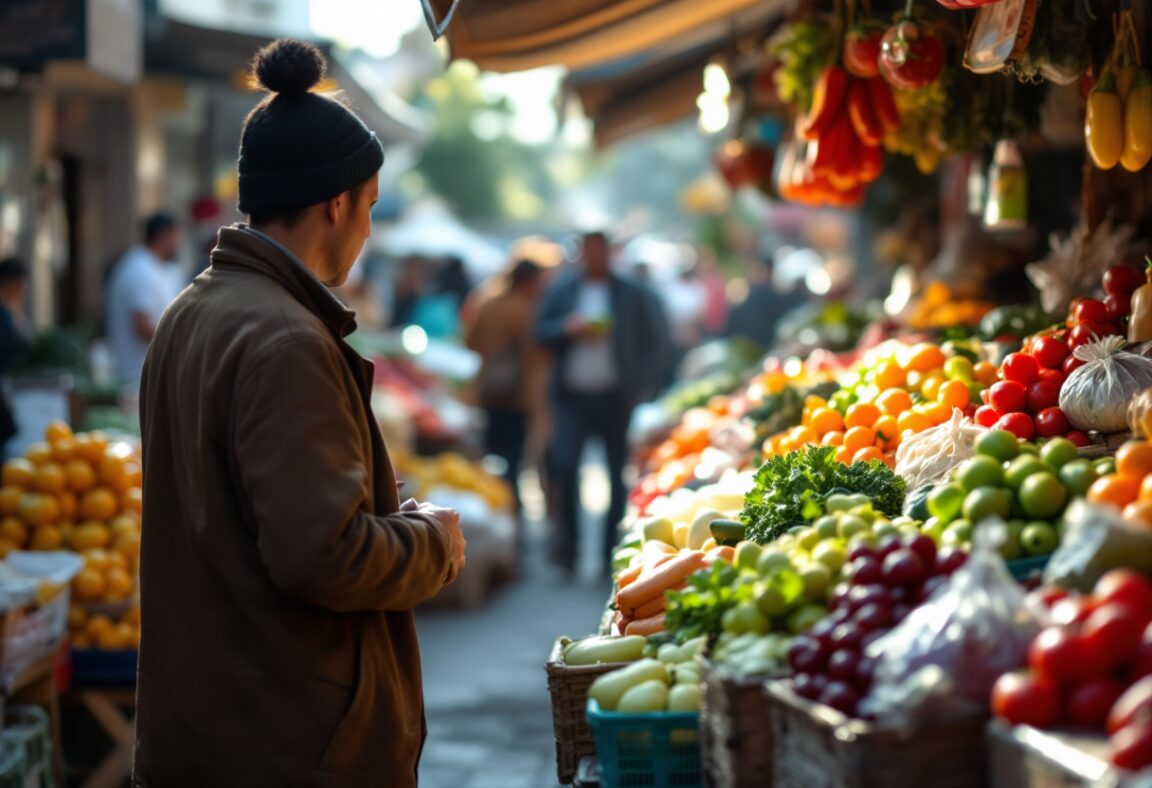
[(941, 662), (1096, 539)]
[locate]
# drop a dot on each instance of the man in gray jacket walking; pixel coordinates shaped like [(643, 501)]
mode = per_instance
[(609, 339)]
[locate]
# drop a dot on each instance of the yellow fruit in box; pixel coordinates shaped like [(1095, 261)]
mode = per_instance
[(81, 640), (97, 624), (47, 538), (133, 616), (81, 476), (124, 524), (69, 506), (17, 472), (77, 617), (109, 639), (13, 529), (118, 585), (63, 450), (99, 504), (38, 453), (91, 534), (133, 500), (127, 637), (10, 496), (36, 509), (89, 584), (7, 547)]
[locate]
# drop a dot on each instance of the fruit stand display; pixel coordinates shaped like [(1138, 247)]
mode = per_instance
[(925, 557)]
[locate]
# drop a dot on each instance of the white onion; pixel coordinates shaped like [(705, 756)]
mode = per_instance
[(1096, 396)]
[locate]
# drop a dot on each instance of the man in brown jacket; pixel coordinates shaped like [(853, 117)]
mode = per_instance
[(278, 566)]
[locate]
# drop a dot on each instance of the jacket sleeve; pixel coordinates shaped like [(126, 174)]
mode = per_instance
[(550, 320), (298, 451)]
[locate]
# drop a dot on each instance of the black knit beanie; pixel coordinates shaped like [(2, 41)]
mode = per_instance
[(298, 148)]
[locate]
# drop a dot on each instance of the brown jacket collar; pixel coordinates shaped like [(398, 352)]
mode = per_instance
[(239, 246)]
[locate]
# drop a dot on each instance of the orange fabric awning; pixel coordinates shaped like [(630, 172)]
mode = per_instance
[(516, 35)]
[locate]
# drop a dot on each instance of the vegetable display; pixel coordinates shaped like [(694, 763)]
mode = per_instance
[(789, 489)]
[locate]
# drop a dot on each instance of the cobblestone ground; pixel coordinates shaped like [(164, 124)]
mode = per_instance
[(489, 718)]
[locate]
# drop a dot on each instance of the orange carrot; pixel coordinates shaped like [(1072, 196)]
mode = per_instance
[(620, 622), (629, 575), (646, 626), (653, 584), (725, 552), (651, 608)]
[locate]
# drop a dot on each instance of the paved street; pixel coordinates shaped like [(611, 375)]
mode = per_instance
[(489, 718)]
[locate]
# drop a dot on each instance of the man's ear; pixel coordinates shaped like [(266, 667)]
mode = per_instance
[(335, 207)]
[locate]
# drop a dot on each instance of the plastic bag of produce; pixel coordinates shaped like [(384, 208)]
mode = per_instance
[(1096, 539), (929, 456), (941, 662)]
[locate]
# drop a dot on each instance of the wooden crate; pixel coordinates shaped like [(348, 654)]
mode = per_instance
[(568, 686), (815, 746), (1021, 756), (735, 734)]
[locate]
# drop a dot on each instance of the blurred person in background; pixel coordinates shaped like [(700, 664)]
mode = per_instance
[(452, 280), (716, 294), (15, 337), (500, 331), (609, 340), (410, 286), (141, 286), (756, 317)]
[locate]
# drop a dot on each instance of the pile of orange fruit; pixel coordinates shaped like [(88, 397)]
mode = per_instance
[(1130, 487), (79, 492), (911, 392), (99, 630)]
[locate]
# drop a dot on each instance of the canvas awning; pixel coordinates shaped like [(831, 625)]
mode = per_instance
[(660, 86), (516, 35)]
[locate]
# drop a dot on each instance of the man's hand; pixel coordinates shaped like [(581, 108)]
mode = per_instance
[(450, 519), (576, 327)]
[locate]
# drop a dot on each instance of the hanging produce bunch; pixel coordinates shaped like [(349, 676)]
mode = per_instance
[(1118, 123)]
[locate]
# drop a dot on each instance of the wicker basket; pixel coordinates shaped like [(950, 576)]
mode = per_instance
[(735, 736), (568, 685), (815, 746), (1024, 757)]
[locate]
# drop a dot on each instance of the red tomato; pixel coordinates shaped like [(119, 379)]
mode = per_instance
[(1050, 352), (1071, 364), (1119, 306), (1088, 332), (1127, 586), (1052, 422), (1090, 702), (1047, 596), (1053, 375), (1020, 367), (1079, 437), (862, 51), (1019, 424), (1132, 747), (1043, 394), (1073, 610), (1008, 396), (1113, 631), (1064, 656), (986, 416), (1023, 698), (1136, 702), (1122, 280), (1142, 664), (911, 56), (1089, 310)]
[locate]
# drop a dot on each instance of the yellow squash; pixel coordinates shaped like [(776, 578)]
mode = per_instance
[(1138, 123), (1104, 123)]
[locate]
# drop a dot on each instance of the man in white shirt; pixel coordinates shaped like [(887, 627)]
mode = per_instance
[(609, 339), (139, 290)]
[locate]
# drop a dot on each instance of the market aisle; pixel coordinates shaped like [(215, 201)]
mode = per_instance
[(489, 718)]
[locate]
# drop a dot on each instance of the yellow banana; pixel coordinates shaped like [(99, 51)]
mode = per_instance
[(1104, 123)]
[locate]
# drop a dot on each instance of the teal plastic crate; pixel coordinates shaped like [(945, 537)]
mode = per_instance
[(656, 750)]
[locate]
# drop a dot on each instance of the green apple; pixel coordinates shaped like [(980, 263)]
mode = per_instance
[(658, 529)]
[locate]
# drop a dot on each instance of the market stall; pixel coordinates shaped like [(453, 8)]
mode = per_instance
[(916, 550)]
